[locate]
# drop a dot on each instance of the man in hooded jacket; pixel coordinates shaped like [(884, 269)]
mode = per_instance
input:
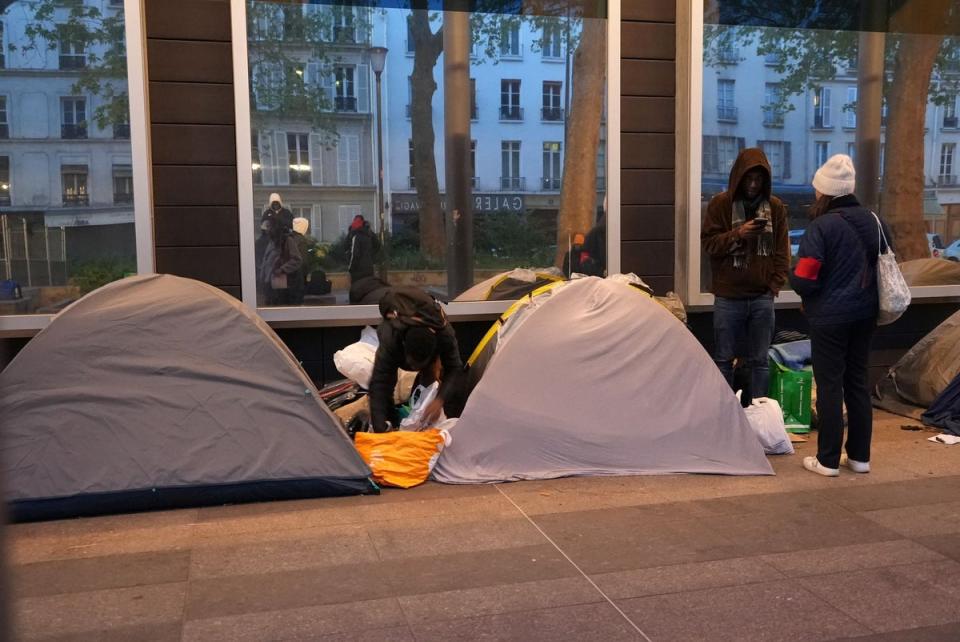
[(745, 234), (414, 335)]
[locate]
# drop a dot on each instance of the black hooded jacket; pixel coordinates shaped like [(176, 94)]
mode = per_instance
[(403, 308)]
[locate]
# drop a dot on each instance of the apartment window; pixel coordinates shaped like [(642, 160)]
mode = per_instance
[(122, 185), (602, 165), (3, 48), (74, 180), (298, 153), (411, 175), (74, 123), (778, 154), (773, 58), (473, 163), (719, 152), (348, 160), (510, 41), (5, 181), (345, 95), (121, 131), (821, 152), (850, 109), (726, 107), (551, 42), (727, 54), (950, 113), (551, 166), (473, 99), (4, 123), (255, 164), (510, 165), (772, 114), (510, 100), (344, 28), (552, 111), (821, 108), (411, 45), (73, 53), (947, 176)]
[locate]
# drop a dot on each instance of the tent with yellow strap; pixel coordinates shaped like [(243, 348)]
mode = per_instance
[(595, 377)]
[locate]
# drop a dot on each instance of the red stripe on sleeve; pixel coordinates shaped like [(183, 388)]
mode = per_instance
[(808, 268)]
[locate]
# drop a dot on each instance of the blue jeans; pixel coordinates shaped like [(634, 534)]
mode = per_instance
[(744, 328)]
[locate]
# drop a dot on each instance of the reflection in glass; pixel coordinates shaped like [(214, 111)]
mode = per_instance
[(66, 185), (314, 113), (797, 81)]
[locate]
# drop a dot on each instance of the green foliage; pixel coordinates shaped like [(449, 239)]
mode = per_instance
[(511, 240), (90, 275), (101, 37)]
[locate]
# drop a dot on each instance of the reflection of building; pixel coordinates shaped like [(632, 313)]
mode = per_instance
[(739, 93), (66, 186), (312, 113), (519, 100)]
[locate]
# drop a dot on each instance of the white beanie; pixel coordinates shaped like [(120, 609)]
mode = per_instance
[(837, 176), (301, 225)]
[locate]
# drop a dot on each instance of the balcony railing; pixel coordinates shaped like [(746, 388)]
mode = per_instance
[(122, 198), (76, 200), (121, 131), (773, 59), (512, 182), (772, 118), (947, 180), (551, 114), (511, 113), (73, 131), (71, 61), (949, 122), (4, 199), (819, 122), (345, 103), (344, 34), (551, 183), (727, 56), (727, 113)]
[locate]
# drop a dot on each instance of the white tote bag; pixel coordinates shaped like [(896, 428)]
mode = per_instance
[(894, 293)]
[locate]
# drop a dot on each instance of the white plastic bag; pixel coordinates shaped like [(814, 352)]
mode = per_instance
[(894, 292), (420, 398), (766, 419), (355, 362)]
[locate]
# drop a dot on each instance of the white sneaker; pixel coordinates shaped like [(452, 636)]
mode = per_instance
[(854, 465), (814, 466)]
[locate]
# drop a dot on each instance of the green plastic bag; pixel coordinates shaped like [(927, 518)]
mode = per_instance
[(792, 390)]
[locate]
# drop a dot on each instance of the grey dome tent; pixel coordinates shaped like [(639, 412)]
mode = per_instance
[(599, 379), (923, 373), (155, 392)]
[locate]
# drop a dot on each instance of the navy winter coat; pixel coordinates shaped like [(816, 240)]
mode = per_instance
[(836, 274)]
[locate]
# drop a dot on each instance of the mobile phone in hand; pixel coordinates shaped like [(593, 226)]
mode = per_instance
[(760, 220)]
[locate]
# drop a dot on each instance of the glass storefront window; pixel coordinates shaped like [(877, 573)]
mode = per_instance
[(318, 134), (798, 82), (66, 185)]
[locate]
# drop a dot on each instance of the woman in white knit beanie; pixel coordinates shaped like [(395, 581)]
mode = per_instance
[(836, 277)]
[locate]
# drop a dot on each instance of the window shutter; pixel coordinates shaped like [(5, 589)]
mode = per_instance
[(786, 160), (268, 158), (354, 160), (316, 222), (343, 165), (826, 107), (363, 88), (328, 82), (283, 159), (316, 159)]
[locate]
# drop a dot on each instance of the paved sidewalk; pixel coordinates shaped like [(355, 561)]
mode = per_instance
[(791, 557)]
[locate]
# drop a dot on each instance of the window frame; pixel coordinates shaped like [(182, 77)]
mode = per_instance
[(689, 136), (299, 316), (25, 325)]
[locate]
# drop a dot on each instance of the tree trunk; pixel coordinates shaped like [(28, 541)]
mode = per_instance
[(578, 195), (903, 175), (427, 48)]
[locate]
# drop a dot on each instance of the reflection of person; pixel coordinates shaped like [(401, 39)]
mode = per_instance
[(362, 247), (836, 277), (276, 209), (414, 335), (298, 279), (745, 235), (280, 264), (368, 290), (593, 257)]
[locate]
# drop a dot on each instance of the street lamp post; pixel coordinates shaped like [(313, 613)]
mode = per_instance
[(378, 58)]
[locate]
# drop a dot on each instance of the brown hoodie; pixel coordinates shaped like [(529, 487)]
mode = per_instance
[(719, 239)]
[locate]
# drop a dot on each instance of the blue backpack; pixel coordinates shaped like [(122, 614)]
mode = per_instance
[(10, 290)]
